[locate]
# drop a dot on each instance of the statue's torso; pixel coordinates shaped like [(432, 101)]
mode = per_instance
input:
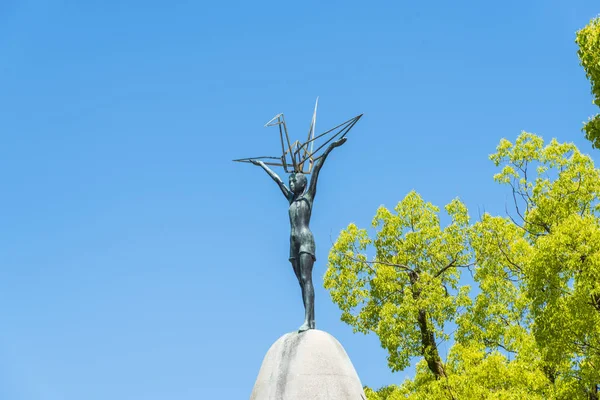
[(301, 238), (300, 210)]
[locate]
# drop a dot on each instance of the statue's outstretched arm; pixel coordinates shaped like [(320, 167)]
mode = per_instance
[(312, 189), (286, 192)]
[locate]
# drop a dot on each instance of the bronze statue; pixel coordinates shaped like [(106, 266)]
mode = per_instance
[(301, 197), (302, 242)]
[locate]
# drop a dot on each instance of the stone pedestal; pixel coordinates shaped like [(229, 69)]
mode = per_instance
[(311, 365)]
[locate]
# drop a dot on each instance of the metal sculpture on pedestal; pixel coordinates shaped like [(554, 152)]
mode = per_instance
[(299, 160)]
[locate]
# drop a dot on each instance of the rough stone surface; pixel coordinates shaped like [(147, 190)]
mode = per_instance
[(311, 365)]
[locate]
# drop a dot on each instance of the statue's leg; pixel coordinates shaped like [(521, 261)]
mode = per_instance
[(295, 259), (308, 291), (296, 266)]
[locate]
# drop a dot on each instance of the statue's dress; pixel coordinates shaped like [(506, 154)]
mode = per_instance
[(301, 238)]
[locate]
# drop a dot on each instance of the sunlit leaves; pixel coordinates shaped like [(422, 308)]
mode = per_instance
[(548, 256), (588, 40), (533, 329), (473, 375), (409, 265)]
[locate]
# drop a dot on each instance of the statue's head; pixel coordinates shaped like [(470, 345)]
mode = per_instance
[(297, 182)]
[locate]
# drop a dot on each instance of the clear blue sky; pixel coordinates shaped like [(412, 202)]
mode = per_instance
[(138, 262)]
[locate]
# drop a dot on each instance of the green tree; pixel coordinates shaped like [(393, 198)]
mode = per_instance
[(408, 291), (556, 253), (533, 331), (588, 40)]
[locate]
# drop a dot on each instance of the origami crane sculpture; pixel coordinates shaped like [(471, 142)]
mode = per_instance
[(300, 157)]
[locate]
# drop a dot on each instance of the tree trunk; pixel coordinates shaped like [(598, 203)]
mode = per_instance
[(593, 394), (550, 373), (430, 350), (429, 347)]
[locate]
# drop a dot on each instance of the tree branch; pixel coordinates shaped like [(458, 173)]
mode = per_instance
[(369, 263), (452, 265)]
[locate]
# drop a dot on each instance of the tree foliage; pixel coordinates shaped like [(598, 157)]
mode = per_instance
[(547, 254), (588, 40), (532, 330), (408, 290)]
